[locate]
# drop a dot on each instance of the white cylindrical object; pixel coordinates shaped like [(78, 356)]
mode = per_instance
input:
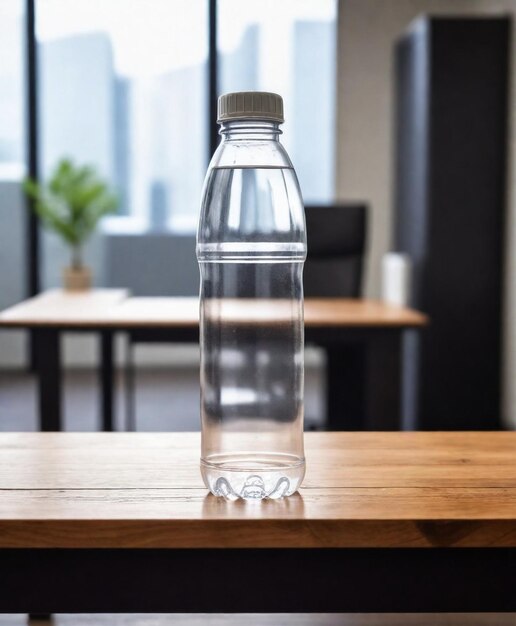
[(396, 278)]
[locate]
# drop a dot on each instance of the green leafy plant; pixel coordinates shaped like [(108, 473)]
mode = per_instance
[(71, 203)]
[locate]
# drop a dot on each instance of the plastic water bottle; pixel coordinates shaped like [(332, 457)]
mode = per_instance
[(251, 247)]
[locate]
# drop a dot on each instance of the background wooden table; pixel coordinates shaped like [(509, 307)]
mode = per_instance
[(47, 316), (362, 340), (383, 521)]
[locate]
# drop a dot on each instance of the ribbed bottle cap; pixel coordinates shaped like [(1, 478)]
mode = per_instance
[(250, 104)]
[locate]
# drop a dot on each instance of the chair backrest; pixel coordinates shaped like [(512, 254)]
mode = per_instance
[(336, 243)]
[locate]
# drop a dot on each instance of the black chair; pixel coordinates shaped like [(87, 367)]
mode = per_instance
[(334, 269), (336, 244)]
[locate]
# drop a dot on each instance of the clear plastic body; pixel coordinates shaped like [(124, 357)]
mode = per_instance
[(251, 246)]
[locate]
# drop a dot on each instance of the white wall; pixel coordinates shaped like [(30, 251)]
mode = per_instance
[(365, 168)]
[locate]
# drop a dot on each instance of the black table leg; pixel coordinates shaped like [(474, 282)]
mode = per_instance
[(345, 387), (383, 376), (106, 379), (363, 378), (48, 360)]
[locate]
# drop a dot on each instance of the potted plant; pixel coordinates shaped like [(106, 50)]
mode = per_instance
[(71, 204)]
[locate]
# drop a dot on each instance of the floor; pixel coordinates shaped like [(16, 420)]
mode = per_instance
[(488, 619)]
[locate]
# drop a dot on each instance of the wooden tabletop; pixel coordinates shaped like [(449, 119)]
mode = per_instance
[(318, 312), (58, 307), (113, 309), (361, 490)]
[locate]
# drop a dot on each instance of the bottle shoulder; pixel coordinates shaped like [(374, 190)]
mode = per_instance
[(249, 154)]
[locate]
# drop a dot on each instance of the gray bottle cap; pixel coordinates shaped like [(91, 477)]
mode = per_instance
[(260, 105)]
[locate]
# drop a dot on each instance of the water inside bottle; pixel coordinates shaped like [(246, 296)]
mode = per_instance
[(252, 341)]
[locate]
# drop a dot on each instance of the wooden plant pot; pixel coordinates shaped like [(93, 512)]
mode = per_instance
[(76, 279)]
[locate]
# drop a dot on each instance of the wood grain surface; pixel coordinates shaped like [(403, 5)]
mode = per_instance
[(112, 308), (361, 490)]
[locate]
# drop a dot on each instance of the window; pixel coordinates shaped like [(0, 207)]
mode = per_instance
[(130, 95), (123, 86), (12, 77), (288, 47), (13, 224)]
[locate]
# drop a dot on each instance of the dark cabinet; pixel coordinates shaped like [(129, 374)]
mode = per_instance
[(452, 84)]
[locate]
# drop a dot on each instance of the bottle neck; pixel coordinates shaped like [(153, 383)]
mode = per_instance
[(249, 130)]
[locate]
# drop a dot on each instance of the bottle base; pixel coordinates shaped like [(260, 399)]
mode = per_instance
[(252, 476)]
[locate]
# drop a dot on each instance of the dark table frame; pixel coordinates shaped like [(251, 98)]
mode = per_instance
[(44, 581), (47, 349), (360, 359)]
